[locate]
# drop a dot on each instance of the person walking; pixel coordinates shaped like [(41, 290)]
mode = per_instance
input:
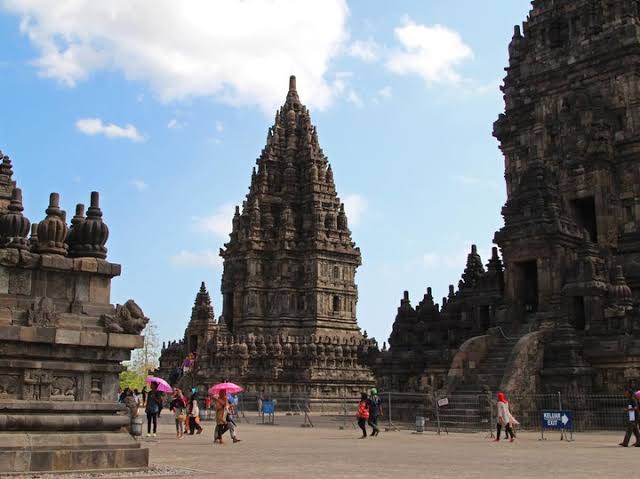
[(231, 417), (194, 415), (632, 419), (154, 401), (179, 408), (363, 414), (504, 418), (375, 411), (222, 406), (144, 396)]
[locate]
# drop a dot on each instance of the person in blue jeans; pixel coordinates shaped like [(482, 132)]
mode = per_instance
[(154, 402), (375, 410)]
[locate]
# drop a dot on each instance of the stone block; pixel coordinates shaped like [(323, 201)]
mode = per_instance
[(67, 336), (37, 335), (82, 288), (99, 290), (53, 261), (125, 341), (89, 338), (20, 282), (116, 269), (4, 280), (59, 285), (87, 265), (10, 333)]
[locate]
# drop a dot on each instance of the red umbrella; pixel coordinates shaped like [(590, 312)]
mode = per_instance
[(229, 388), (163, 386)]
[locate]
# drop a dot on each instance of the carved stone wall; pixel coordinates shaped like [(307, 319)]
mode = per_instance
[(570, 242), (59, 359)]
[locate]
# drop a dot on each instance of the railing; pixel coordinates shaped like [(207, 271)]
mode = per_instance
[(456, 412)]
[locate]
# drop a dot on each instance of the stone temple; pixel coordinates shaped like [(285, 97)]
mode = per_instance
[(560, 310), (61, 341), (288, 324)]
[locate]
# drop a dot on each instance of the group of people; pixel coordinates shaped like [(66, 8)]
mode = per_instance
[(187, 414), (369, 410)]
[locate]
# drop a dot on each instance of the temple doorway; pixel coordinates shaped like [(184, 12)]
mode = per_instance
[(585, 214), (528, 285), (579, 314)]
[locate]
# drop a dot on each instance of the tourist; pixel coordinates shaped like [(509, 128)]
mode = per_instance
[(375, 410), (505, 418), (231, 417), (144, 396), (632, 419), (260, 399), (131, 403), (154, 402), (123, 395), (187, 364), (207, 407), (194, 414), (363, 414), (179, 408), (138, 398), (222, 406)]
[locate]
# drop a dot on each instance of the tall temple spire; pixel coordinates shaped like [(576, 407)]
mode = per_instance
[(291, 226)]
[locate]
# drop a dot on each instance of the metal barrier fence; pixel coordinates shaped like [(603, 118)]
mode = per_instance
[(443, 414)]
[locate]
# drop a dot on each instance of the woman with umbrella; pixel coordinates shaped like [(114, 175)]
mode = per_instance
[(219, 391), (154, 402)]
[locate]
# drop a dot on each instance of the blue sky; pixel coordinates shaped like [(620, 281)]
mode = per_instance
[(164, 106)]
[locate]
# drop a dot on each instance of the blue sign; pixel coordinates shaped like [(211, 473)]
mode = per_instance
[(268, 407), (556, 419)]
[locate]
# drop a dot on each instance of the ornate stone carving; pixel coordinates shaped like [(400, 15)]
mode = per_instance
[(52, 231), (64, 388), (37, 384), (14, 226), (9, 386), (128, 319), (43, 313)]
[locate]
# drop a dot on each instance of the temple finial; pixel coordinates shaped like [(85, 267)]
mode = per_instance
[(292, 83)]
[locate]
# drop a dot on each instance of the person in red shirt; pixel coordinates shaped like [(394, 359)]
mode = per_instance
[(363, 414)]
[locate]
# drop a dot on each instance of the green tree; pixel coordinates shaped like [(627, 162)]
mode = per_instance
[(144, 360), (131, 379)]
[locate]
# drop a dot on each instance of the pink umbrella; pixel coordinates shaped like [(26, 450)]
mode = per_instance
[(163, 386), (229, 388)]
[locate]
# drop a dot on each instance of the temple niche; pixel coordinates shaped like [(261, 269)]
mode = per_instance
[(62, 342), (288, 324), (560, 310)]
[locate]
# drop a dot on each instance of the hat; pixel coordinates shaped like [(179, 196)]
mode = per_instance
[(374, 391)]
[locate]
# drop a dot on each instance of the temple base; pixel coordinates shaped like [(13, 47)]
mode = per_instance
[(67, 452)]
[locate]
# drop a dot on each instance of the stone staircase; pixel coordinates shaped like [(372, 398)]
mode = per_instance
[(469, 404)]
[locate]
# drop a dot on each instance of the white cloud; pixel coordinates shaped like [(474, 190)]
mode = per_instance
[(218, 223), (433, 52), (174, 124), (197, 259), (219, 126), (355, 206), (383, 93), (139, 185), (342, 88), (354, 98), (95, 126), (239, 51), (365, 50)]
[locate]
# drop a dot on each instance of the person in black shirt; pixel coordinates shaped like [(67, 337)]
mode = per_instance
[(632, 419)]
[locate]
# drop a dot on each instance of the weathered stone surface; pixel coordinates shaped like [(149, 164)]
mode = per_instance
[(59, 365), (571, 234), (289, 294)]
